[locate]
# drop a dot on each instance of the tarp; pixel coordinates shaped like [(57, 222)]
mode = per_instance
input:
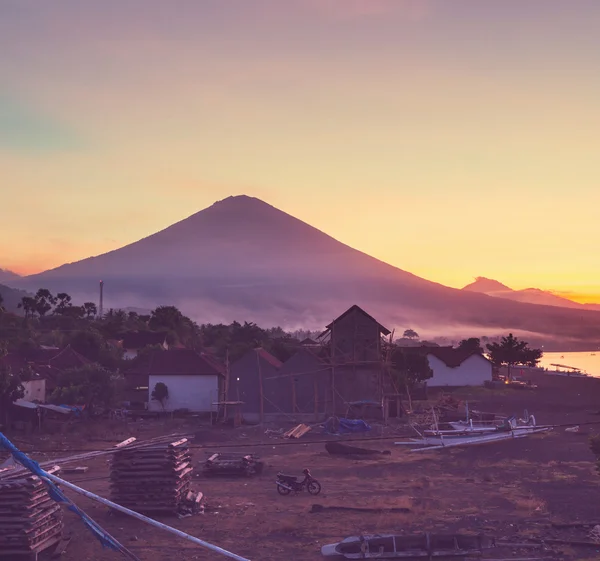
[(25, 403), (353, 425), (335, 425)]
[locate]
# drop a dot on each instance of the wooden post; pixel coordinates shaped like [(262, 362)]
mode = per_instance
[(332, 347), (260, 387), (316, 390), (293, 395), (226, 396)]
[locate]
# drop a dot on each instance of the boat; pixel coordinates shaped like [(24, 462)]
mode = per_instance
[(419, 546), (471, 434), (436, 442)]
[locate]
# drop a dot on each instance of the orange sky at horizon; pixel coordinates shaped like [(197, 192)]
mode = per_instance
[(450, 139)]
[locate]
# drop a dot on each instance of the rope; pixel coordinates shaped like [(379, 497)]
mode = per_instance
[(58, 496)]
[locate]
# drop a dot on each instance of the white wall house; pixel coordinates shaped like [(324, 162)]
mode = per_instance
[(194, 392), (35, 390), (193, 379), (452, 367)]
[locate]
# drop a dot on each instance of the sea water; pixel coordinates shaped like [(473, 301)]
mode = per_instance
[(588, 362)]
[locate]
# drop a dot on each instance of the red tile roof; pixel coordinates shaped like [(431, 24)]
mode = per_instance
[(178, 362), (68, 358), (268, 357), (452, 358), (46, 359)]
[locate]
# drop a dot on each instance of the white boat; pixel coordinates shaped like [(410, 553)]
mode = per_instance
[(420, 546), (433, 442)]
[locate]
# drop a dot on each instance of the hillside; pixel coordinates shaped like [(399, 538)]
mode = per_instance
[(528, 295), (11, 297), (246, 260), (6, 276)]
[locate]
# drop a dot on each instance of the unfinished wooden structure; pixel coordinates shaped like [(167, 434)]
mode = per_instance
[(154, 479), (346, 374), (30, 521), (360, 378)]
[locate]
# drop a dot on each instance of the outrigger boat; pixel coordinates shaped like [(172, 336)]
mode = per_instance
[(417, 547), (468, 433)]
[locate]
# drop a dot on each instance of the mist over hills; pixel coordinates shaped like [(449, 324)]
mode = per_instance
[(243, 259), (495, 288)]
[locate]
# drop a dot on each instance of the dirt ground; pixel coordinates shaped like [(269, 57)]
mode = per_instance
[(513, 490)]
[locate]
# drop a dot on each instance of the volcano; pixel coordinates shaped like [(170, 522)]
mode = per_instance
[(243, 259)]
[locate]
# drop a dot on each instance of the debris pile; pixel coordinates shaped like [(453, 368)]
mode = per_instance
[(231, 464), (30, 521), (153, 479)]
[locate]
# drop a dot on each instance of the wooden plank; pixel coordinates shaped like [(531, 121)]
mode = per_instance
[(61, 548), (126, 442), (77, 469)]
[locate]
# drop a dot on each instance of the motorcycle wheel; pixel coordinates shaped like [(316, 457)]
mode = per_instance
[(314, 487), (282, 490)]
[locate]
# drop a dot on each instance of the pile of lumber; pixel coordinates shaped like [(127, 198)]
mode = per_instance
[(154, 479), (30, 521), (297, 431)]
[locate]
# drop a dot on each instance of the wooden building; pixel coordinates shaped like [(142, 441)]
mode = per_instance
[(359, 378)]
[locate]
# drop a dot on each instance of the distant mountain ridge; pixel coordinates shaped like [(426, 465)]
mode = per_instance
[(7, 276), (11, 297), (243, 259), (496, 289)]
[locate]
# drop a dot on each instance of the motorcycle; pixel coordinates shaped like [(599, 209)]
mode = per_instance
[(287, 484)]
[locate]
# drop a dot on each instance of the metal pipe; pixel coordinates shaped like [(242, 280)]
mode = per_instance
[(143, 518)]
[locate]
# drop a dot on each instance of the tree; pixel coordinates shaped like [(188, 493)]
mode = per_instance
[(63, 302), (472, 344), (44, 301), (28, 304), (410, 367), (88, 385), (2, 304), (510, 352), (410, 334), (160, 393), (90, 310), (11, 389)]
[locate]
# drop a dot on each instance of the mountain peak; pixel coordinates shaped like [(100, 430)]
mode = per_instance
[(485, 285)]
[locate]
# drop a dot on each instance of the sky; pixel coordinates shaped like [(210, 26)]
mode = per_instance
[(452, 139)]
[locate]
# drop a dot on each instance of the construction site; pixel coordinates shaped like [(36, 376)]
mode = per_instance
[(536, 497)]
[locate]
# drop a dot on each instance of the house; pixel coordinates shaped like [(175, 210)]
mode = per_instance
[(457, 367), (133, 342), (358, 373), (45, 364), (194, 380), (253, 381)]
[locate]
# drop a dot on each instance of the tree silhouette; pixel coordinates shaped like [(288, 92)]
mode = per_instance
[(89, 309), (28, 304), (410, 334), (44, 301), (510, 352), (160, 393), (472, 344), (63, 302)]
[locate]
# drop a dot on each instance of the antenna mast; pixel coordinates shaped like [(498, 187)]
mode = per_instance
[(101, 306)]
